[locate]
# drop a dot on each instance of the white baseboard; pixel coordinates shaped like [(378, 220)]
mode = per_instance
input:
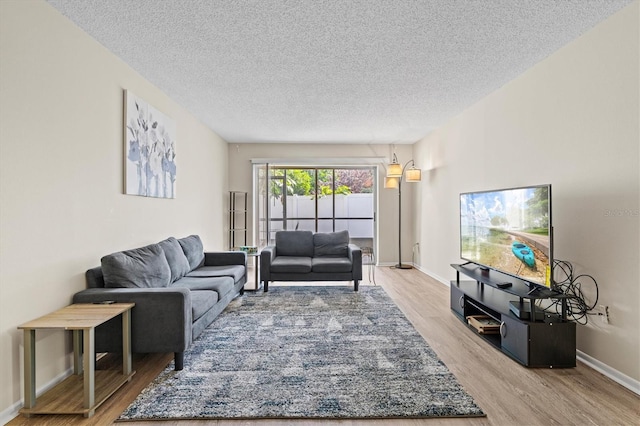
[(419, 268), (14, 410), (628, 382), (433, 275)]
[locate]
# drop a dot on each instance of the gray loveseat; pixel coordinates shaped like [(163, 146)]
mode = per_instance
[(305, 256), (178, 290)]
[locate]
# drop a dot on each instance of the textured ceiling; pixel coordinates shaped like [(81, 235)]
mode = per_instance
[(357, 71)]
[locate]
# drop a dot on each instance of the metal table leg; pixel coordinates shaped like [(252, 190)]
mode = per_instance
[(29, 368), (89, 363)]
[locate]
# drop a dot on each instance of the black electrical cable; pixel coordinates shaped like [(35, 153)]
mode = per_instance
[(577, 307), (564, 267)]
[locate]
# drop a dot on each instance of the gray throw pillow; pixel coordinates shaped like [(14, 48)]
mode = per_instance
[(294, 243), (193, 250), (331, 244), (178, 262), (144, 267)]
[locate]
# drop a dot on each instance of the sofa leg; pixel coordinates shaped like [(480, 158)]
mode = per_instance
[(179, 360), (266, 286), (355, 285), (242, 291)]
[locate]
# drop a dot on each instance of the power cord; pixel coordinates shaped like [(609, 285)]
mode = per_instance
[(416, 247), (577, 307)]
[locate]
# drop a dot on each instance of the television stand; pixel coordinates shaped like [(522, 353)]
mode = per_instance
[(538, 340)]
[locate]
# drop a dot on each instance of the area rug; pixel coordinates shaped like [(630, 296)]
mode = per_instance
[(307, 352)]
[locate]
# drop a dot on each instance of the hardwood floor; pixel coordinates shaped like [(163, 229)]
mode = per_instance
[(508, 393)]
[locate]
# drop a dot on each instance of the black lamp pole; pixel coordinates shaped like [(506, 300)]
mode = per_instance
[(400, 265)]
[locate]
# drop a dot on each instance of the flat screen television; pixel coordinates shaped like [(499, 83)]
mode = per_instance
[(510, 231)]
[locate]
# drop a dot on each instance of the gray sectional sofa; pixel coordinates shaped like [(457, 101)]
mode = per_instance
[(305, 256), (178, 290)]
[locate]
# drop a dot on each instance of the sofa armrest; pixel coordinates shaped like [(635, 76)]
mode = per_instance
[(355, 256), (266, 258), (160, 320), (225, 258)]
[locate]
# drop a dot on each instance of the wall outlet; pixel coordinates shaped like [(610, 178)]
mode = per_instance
[(604, 313)]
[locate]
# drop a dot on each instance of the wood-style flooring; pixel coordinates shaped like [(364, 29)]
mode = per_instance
[(509, 393)]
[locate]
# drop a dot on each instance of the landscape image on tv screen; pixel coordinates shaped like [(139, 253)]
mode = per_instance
[(508, 230)]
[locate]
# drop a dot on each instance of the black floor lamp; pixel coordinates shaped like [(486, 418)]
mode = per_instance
[(395, 173)]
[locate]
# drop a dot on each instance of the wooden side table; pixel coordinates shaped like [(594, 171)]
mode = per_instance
[(76, 394)]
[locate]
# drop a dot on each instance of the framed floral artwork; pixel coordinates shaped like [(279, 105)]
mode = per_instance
[(150, 150)]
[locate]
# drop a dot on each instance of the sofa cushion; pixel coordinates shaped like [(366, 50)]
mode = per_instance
[(291, 264), (331, 264), (95, 277), (332, 244), (201, 302), (142, 267), (193, 250), (294, 243), (221, 285), (178, 262), (234, 271)]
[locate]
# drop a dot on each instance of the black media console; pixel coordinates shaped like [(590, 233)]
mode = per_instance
[(538, 340)]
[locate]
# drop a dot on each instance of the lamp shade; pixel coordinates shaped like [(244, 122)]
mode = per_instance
[(391, 182), (394, 170), (414, 175)]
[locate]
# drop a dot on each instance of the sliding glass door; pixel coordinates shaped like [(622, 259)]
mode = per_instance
[(318, 199)]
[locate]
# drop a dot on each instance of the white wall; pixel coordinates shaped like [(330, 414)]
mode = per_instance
[(240, 178), (61, 177), (571, 121)]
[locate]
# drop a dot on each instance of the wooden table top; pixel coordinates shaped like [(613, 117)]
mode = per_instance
[(78, 316)]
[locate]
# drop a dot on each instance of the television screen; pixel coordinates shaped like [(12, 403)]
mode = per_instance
[(509, 230)]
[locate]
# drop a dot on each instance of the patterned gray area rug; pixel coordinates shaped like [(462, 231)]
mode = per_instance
[(307, 352)]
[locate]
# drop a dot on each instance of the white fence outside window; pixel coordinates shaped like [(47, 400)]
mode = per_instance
[(351, 207)]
